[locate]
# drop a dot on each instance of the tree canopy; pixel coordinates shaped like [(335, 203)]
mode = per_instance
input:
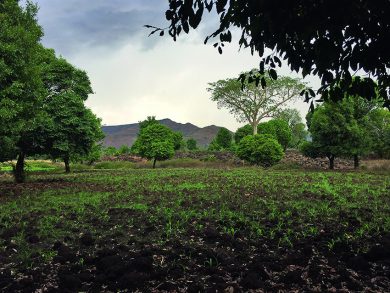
[(41, 96), (340, 129), (155, 142), (325, 38), (252, 103)]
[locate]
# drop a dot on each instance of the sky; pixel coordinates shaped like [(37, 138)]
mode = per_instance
[(134, 76)]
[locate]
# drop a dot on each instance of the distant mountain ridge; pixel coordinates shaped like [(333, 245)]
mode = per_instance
[(126, 134)]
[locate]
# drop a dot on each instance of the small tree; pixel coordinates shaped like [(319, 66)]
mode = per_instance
[(338, 129), (242, 132), (178, 141), (379, 132), (110, 151), (155, 142), (224, 138), (260, 149), (191, 144), (252, 103), (296, 125), (124, 150), (277, 128)]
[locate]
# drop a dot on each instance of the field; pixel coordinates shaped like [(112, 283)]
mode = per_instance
[(195, 230)]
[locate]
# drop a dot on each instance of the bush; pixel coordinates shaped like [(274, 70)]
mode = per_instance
[(279, 129), (261, 150)]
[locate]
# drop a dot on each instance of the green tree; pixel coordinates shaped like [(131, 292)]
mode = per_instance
[(379, 132), (253, 103), (110, 151), (322, 38), (74, 129), (242, 132), (178, 141), (214, 146), (296, 125), (338, 129), (224, 138), (124, 150), (191, 144), (260, 149), (155, 142), (21, 87), (278, 129), (148, 121)]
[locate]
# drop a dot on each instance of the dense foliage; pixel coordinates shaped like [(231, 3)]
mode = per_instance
[(155, 142), (328, 39), (242, 132), (252, 103), (191, 144), (341, 129), (41, 96), (277, 128), (260, 149), (298, 130)]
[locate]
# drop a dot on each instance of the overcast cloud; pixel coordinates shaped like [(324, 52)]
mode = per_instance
[(134, 76)]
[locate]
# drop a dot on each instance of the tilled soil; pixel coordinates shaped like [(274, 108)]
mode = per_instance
[(118, 255)]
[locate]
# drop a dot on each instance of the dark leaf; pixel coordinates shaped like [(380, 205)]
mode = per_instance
[(209, 5), (221, 5), (186, 27), (277, 60), (273, 74), (263, 83)]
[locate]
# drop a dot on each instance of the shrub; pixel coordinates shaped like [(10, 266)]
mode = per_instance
[(279, 129), (261, 150)]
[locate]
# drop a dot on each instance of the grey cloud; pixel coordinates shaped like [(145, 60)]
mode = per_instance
[(76, 24)]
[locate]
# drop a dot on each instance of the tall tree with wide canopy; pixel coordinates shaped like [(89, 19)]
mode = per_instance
[(329, 39), (253, 103), (74, 128), (21, 87)]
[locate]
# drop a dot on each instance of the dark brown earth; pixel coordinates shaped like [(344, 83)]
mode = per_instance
[(130, 259)]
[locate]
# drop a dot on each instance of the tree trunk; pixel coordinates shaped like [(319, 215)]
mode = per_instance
[(356, 162), (154, 163), (331, 162), (254, 128), (19, 173), (67, 165)]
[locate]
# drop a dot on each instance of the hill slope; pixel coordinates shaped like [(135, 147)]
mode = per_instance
[(126, 134)]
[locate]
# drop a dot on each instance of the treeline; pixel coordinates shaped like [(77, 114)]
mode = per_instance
[(42, 96)]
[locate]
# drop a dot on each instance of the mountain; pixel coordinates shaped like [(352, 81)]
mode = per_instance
[(126, 134)]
